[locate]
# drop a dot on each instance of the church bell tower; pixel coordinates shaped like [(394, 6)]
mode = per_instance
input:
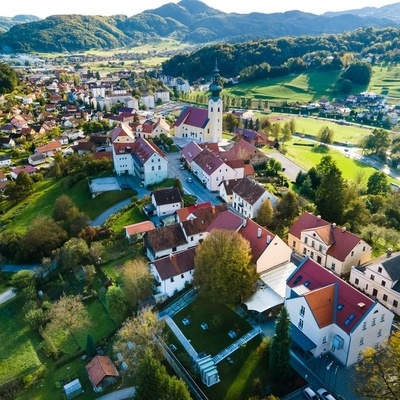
[(215, 108)]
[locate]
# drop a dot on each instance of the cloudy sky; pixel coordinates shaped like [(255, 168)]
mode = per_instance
[(44, 8)]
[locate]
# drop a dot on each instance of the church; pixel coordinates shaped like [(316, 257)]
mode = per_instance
[(200, 124)]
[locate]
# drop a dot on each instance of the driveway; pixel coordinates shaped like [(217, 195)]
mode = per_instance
[(291, 168)]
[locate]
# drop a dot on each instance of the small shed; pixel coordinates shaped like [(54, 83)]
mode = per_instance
[(73, 389), (102, 372)]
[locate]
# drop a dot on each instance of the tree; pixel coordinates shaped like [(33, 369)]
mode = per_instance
[(116, 303), (357, 215), (265, 213), (325, 135), (154, 382), (137, 281), (378, 183), (22, 280), (8, 79), (70, 315), (279, 354), (20, 188), (286, 132), (10, 244), (377, 374), (230, 122), (287, 210), (276, 130), (42, 237), (178, 185), (74, 253), (330, 195), (377, 142), (138, 334), (222, 267), (358, 72)]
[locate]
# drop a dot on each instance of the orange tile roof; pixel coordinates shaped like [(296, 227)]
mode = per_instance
[(138, 228), (321, 303), (99, 368)]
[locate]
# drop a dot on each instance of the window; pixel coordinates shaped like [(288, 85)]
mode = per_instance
[(294, 243), (324, 340), (361, 341), (152, 168), (372, 277), (383, 283), (380, 269), (357, 281), (352, 253), (382, 317), (320, 248), (159, 167), (380, 333), (373, 321), (302, 311), (300, 325), (312, 255), (313, 244), (384, 297), (319, 259), (304, 251), (364, 326), (306, 240), (395, 303), (182, 276), (172, 279), (364, 248), (333, 266)]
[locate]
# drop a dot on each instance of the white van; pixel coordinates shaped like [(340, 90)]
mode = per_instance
[(309, 394)]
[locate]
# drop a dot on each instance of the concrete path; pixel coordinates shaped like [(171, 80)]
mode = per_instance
[(102, 218), (127, 393), (19, 267), (7, 295)]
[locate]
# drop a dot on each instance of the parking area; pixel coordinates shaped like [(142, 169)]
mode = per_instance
[(100, 185)]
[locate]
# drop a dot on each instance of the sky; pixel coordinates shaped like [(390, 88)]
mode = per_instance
[(44, 8)]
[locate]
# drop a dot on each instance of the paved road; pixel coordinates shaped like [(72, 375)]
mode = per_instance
[(291, 168), (122, 394), (7, 295)]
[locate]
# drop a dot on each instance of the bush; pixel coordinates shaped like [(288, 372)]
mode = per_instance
[(10, 390)]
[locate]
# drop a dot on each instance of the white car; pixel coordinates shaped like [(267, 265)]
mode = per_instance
[(323, 394)]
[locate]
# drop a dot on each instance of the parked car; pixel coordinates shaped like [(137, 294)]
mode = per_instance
[(309, 394), (125, 186), (323, 394), (181, 166), (189, 179)]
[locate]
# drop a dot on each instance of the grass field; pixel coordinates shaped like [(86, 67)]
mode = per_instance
[(386, 77), (41, 202)]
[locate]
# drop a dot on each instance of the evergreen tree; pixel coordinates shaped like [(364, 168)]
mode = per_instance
[(265, 213), (279, 354), (90, 346)]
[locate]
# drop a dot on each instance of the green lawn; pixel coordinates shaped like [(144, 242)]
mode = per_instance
[(18, 344), (128, 216), (386, 77), (41, 202)]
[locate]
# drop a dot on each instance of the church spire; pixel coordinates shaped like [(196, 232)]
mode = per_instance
[(215, 88)]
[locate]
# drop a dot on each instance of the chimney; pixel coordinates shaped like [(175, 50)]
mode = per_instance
[(259, 231), (269, 239), (318, 217), (333, 225), (244, 222), (389, 252), (344, 229)]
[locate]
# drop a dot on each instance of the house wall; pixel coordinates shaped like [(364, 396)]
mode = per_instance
[(384, 294), (278, 252), (227, 198), (4, 163), (215, 110), (155, 170), (246, 209), (176, 283), (362, 253), (165, 252), (123, 163), (192, 132), (166, 209)]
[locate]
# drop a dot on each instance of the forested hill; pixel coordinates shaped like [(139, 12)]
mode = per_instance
[(278, 57), (189, 21)]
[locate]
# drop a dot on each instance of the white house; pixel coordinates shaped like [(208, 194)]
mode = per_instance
[(174, 271), (329, 316), (380, 278), (5, 160), (147, 101), (166, 200), (211, 170), (247, 197), (36, 159), (163, 95), (331, 246)]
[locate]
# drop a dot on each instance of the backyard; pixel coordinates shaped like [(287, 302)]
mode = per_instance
[(245, 372)]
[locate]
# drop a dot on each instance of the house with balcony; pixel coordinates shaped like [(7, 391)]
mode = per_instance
[(331, 246), (329, 316), (166, 201), (380, 279)]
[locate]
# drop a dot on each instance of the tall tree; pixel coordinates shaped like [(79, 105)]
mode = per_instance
[(378, 372), (279, 353), (70, 314), (116, 303), (22, 280), (138, 334), (137, 281), (377, 142), (287, 210), (286, 132), (325, 135), (378, 183), (265, 213), (73, 254), (8, 79), (222, 267), (230, 122)]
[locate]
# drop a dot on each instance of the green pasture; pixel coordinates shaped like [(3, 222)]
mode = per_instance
[(386, 76), (308, 157), (127, 216), (41, 202)]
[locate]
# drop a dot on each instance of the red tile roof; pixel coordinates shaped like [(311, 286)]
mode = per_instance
[(175, 264), (341, 241), (144, 149), (191, 151), (193, 116), (208, 162), (257, 237), (347, 300), (183, 213), (249, 190), (226, 220), (140, 227), (120, 131), (99, 368)]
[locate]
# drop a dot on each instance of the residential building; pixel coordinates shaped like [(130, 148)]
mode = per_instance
[(174, 271), (147, 101), (329, 245), (3, 181), (247, 197), (166, 201), (136, 231), (380, 279), (256, 138), (7, 142), (36, 159), (268, 250), (49, 149), (5, 160), (151, 129), (29, 169), (329, 316), (163, 95)]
